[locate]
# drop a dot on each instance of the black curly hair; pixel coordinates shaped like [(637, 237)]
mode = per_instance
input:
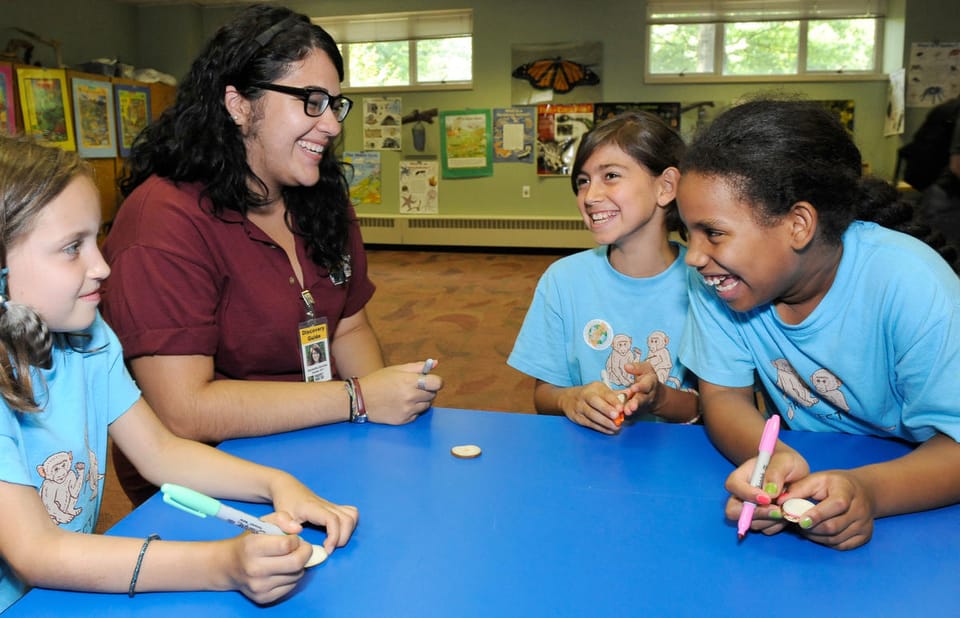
[(195, 139), (776, 152)]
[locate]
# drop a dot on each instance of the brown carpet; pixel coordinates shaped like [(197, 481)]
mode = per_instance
[(463, 308)]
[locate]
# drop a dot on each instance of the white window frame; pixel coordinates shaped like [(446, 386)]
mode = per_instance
[(716, 13), (412, 26)]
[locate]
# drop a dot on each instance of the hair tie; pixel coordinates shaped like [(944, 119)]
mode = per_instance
[(3, 281)]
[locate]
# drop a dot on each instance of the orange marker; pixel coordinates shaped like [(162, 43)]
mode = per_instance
[(623, 399)]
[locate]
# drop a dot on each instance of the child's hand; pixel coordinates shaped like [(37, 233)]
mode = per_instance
[(785, 467), (644, 390), (593, 405), (843, 517), (265, 567), (296, 505)]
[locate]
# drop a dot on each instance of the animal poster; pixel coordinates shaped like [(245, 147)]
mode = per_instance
[(513, 134), (934, 74), (8, 101), (363, 170), (382, 123), (419, 187), (466, 143), (133, 114), (93, 110), (46, 106), (559, 130)]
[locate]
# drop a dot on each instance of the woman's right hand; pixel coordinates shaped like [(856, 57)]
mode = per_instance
[(393, 396), (265, 567)]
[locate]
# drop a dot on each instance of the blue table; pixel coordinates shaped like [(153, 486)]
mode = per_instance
[(552, 520)]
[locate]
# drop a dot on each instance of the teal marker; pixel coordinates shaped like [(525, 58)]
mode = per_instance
[(201, 505)]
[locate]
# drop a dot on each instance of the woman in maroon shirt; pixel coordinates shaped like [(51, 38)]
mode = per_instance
[(236, 249)]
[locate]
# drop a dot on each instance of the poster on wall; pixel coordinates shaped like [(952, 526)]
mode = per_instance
[(843, 109), (382, 121), (669, 112), (93, 115), (466, 143), (46, 106), (133, 114), (894, 120), (934, 73), (8, 101), (363, 170), (419, 187), (559, 130), (513, 134)]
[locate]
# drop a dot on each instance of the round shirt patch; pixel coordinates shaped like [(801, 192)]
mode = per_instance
[(598, 334)]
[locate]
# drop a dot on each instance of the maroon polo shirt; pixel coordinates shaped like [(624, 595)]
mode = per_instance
[(187, 282)]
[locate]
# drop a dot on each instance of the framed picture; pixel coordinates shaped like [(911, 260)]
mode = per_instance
[(133, 113), (466, 143), (8, 100), (46, 106), (94, 119)]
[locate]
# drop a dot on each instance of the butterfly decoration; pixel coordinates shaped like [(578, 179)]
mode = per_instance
[(556, 74)]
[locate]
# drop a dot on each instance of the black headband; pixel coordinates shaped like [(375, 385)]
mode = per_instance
[(267, 35)]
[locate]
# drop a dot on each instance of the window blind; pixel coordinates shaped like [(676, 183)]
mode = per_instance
[(398, 26), (718, 11)]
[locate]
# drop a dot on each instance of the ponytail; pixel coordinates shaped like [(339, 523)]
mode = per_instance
[(882, 204)]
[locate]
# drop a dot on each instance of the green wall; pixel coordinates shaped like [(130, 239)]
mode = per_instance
[(168, 37)]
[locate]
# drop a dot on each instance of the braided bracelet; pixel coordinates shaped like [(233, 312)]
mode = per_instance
[(136, 570), (358, 410)]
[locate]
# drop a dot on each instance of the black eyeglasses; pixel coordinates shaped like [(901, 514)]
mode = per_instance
[(315, 100)]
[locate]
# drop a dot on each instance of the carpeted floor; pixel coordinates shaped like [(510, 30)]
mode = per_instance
[(463, 308)]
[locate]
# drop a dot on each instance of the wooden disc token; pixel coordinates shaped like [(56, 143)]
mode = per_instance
[(319, 555), (466, 451), (794, 508)]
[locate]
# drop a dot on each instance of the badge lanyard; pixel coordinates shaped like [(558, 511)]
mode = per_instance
[(314, 343)]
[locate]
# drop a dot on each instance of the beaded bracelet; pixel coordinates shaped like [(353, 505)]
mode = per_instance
[(136, 570)]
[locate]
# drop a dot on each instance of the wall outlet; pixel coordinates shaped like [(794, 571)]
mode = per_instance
[(525, 191)]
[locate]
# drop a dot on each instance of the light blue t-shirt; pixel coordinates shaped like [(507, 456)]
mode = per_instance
[(587, 320), (880, 354), (62, 450)]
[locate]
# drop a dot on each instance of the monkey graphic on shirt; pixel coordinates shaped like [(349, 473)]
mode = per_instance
[(622, 352), (94, 476), (61, 486), (828, 385), (792, 386), (659, 356)]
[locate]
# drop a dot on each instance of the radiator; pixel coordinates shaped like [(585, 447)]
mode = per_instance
[(469, 231)]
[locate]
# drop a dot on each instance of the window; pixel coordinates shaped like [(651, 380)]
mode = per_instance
[(405, 51), (757, 39)]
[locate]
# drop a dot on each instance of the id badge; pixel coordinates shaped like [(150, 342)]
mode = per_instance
[(315, 350)]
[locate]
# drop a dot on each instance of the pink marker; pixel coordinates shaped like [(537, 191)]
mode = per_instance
[(768, 441)]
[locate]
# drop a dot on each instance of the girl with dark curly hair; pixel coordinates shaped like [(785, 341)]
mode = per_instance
[(849, 326), (236, 248)]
